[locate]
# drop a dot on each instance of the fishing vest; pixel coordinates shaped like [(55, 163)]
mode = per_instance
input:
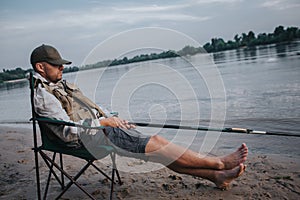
[(77, 106)]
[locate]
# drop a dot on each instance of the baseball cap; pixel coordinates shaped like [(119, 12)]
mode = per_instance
[(47, 53)]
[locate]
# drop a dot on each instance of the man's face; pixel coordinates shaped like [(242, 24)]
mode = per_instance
[(52, 73)]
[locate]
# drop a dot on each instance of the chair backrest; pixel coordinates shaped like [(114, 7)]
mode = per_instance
[(51, 141), (33, 114)]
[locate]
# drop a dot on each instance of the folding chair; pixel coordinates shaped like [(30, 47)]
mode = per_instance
[(54, 148)]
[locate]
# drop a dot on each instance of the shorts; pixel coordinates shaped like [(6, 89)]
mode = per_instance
[(130, 140), (126, 142)]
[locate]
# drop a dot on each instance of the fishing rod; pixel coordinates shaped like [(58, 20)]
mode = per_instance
[(15, 122), (199, 128), (173, 126)]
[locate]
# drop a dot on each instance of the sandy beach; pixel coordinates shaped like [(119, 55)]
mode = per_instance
[(273, 172)]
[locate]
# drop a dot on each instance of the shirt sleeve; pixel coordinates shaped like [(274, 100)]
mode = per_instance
[(47, 105)]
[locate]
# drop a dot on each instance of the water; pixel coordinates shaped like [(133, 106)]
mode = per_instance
[(261, 89)]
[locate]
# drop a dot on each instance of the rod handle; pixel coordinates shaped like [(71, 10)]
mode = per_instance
[(258, 132), (240, 130)]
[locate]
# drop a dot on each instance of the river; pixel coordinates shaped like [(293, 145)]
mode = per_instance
[(257, 88)]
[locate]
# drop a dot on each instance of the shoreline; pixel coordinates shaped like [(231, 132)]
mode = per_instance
[(105, 65), (272, 172)]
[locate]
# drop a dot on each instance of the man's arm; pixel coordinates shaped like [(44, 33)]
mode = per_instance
[(47, 105), (116, 122)]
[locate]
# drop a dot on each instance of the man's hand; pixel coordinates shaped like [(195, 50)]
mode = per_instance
[(116, 122)]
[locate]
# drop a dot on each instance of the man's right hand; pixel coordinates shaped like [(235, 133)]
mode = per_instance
[(116, 122)]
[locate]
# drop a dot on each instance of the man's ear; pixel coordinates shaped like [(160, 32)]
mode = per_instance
[(39, 67)]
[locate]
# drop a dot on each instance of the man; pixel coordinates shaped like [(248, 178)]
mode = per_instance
[(57, 99)]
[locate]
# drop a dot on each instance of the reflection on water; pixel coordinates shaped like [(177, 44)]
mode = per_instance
[(253, 53), (250, 53), (281, 50), (219, 57), (13, 84)]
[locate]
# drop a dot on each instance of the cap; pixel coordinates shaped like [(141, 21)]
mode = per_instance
[(49, 54)]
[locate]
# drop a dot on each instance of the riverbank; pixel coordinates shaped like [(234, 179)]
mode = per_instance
[(272, 172), (13, 84)]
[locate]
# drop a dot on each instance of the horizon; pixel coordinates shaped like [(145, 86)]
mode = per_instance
[(76, 28), (147, 53)]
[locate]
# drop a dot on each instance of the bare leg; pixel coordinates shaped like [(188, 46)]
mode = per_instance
[(221, 178), (220, 171), (161, 150)]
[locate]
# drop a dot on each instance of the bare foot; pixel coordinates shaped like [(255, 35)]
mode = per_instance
[(232, 160), (224, 177)]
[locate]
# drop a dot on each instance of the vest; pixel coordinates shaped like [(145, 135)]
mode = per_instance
[(77, 106)]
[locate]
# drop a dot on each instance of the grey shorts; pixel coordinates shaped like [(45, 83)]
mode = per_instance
[(128, 140), (130, 143)]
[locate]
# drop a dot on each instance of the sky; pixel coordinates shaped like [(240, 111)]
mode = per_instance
[(76, 27)]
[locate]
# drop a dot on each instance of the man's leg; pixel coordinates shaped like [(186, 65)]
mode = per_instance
[(220, 170), (161, 150)]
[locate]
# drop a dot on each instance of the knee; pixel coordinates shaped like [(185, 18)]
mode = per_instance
[(159, 140), (155, 143)]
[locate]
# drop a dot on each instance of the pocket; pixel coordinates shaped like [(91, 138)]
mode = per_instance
[(62, 96)]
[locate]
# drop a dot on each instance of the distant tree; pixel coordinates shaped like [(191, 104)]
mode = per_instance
[(231, 45), (278, 31), (292, 32), (237, 39), (250, 40), (13, 74), (244, 41), (208, 47), (261, 39), (71, 69), (188, 50)]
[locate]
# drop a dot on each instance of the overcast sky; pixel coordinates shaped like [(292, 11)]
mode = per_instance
[(75, 27)]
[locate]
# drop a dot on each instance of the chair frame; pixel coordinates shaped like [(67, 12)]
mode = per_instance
[(51, 162)]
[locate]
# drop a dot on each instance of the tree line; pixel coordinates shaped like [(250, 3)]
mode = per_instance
[(19, 73), (138, 58), (279, 35), (14, 74)]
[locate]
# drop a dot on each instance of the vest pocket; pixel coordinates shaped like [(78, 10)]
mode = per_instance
[(62, 96), (84, 113)]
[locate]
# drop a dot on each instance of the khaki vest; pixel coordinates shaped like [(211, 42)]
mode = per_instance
[(77, 106)]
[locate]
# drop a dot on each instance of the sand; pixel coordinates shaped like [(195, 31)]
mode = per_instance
[(273, 172)]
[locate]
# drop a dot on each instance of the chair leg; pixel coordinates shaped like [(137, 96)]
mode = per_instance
[(49, 176), (72, 180), (119, 178), (48, 161), (113, 157), (99, 170), (114, 171), (112, 184), (62, 175), (38, 185)]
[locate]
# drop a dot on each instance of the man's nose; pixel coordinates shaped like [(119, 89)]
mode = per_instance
[(61, 67)]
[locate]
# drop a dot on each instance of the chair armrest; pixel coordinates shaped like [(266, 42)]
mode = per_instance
[(61, 122)]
